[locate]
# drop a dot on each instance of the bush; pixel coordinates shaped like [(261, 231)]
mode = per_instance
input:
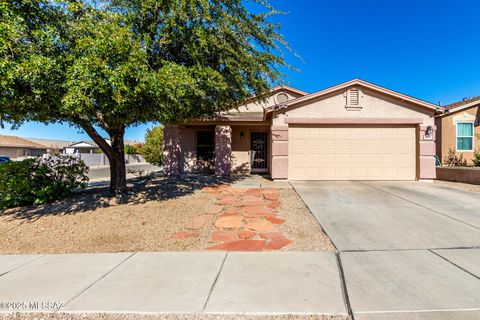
[(133, 148), (152, 150), (452, 160), (476, 159), (37, 181)]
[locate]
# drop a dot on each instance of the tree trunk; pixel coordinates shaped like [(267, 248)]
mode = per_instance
[(118, 172), (115, 154)]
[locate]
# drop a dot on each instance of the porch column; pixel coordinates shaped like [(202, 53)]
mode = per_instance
[(427, 168), (223, 150), (279, 166), (171, 151)]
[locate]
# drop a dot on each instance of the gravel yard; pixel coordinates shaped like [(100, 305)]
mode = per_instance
[(155, 217)]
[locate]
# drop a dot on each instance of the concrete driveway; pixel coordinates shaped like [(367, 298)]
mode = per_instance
[(408, 250), (393, 215)]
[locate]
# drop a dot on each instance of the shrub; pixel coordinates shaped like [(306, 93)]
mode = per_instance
[(452, 160), (476, 159), (37, 181), (152, 150), (133, 148)]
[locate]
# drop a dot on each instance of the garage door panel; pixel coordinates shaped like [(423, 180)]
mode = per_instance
[(352, 153)]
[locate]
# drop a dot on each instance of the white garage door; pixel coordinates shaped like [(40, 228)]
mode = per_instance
[(352, 153)]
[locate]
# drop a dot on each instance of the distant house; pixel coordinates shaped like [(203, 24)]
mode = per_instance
[(53, 146), (459, 129), (82, 147), (15, 147)]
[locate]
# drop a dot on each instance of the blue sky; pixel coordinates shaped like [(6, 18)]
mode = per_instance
[(429, 49)]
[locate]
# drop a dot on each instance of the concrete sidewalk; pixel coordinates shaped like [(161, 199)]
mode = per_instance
[(174, 282)]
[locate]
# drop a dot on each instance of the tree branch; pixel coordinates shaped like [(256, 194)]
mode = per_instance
[(97, 138)]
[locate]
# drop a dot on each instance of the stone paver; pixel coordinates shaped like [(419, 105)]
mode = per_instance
[(239, 216), (468, 259), (10, 262), (154, 282), (240, 245), (407, 281), (223, 236), (278, 282), (230, 222), (259, 225), (360, 216), (199, 221), (56, 278)]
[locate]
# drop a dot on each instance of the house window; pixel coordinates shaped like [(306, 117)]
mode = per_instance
[(205, 145), (464, 136)]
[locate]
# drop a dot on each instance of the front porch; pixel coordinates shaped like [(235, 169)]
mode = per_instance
[(220, 149)]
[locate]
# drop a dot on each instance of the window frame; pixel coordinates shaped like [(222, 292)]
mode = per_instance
[(471, 137), (204, 145)]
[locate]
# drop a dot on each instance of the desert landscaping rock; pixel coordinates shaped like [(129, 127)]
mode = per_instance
[(85, 223), (185, 235)]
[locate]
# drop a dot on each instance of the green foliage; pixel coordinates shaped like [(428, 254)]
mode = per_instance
[(37, 181), (452, 160), (112, 64), (133, 148), (152, 150), (476, 159)]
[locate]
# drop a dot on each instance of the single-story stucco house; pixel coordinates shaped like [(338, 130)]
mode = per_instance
[(352, 131), (16, 147), (458, 128), (82, 147)]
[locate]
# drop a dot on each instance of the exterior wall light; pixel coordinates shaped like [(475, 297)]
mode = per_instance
[(242, 135)]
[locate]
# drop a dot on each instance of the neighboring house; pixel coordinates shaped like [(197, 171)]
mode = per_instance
[(53, 146), (459, 129), (15, 147), (353, 131), (82, 147)]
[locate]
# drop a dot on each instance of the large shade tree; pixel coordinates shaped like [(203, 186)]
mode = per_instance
[(114, 64)]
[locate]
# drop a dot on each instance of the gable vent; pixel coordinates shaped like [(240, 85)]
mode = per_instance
[(354, 99), (354, 96)]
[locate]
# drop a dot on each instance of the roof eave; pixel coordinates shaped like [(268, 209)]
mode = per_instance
[(366, 84)]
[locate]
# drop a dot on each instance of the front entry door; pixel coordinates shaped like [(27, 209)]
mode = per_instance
[(258, 151)]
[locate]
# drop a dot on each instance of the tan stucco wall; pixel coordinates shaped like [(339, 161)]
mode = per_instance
[(14, 153), (240, 148), (260, 105), (448, 137), (374, 106)]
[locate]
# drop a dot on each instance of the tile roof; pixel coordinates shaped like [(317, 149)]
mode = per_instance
[(13, 141), (461, 103)]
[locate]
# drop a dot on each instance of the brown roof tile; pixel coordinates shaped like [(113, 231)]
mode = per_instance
[(461, 103), (13, 141)]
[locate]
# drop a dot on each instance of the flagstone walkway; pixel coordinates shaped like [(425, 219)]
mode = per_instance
[(245, 219)]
